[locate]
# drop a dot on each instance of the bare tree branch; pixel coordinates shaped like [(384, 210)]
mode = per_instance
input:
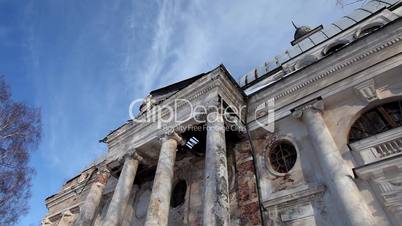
[(20, 130)]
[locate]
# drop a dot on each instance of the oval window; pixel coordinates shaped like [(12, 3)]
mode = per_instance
[(282, 156)]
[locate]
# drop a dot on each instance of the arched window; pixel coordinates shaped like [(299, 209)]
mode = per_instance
[(377, 120), (282, 156), (367, 29), (179, 193), (335, 46)]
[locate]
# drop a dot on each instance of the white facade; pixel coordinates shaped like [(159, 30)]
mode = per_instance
[(319, 141)]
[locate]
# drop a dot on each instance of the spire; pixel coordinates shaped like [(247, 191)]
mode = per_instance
[(294, 25)]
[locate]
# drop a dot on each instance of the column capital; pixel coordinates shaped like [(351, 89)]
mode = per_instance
[(234, 123), (132, 154), (102, 175), (102, 169), (316, 105), (171, 134), (213, 104)]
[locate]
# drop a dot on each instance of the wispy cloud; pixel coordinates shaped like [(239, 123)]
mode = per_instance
[(194, 36)]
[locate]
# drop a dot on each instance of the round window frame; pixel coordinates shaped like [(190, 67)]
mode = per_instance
[(271, 147)]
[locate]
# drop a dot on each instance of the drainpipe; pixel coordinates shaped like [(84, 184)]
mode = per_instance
[(257, 176)]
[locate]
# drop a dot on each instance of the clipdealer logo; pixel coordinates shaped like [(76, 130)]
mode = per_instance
[(164, 115)]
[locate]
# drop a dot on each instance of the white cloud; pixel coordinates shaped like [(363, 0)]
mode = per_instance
[(192, 37)]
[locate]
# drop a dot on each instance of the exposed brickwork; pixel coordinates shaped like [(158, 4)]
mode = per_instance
[(102, 177), (247, 186), (250, 214)]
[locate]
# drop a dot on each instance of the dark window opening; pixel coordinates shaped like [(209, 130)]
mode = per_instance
[(179, 193), (195, 141), (368, 29), (334, 47), (282, 157), (144, 174), (377, 120)]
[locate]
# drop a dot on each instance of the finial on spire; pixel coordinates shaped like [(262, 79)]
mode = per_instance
[(294, 25)]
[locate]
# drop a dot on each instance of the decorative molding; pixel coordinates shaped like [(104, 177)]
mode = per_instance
[(130, 129), (71, 192), (103, 169), (196, 93), (345, 80), (59, 214), (171, 134), (314, 105), (193, 92), (235, 123), (366, 90), (284, 197), (297, 212), (315, 78), (337, 67), (102, 175), (214, 103), (67, 213), (380, 168), (390, 189), (130, 154)]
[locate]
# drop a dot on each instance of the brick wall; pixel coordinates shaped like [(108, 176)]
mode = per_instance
[(246, 185)]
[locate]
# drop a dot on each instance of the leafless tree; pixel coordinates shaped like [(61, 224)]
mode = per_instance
[(20, 130)]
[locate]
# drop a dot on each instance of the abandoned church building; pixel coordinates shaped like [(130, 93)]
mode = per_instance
[(311, 137)]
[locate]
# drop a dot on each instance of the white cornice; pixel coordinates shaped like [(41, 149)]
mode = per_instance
[(336, 68), (285, 196), (298, 87), (135, 135)]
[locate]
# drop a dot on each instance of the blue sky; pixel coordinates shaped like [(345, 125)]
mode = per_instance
[(82, 62)]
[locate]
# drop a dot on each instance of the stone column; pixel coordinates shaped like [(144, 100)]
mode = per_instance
[(338, 178), (122, 191), (158, 208), (216, 191), (88, 209)]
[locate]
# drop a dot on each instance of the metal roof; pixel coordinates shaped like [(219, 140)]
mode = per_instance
[(318, 37)]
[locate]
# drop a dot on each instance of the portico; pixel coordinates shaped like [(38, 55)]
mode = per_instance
[(155, 144)]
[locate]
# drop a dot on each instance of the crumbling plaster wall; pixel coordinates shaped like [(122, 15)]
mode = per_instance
[(298, 197), (341, 111)]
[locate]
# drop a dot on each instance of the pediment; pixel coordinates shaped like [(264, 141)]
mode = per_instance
[(143, 135)]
